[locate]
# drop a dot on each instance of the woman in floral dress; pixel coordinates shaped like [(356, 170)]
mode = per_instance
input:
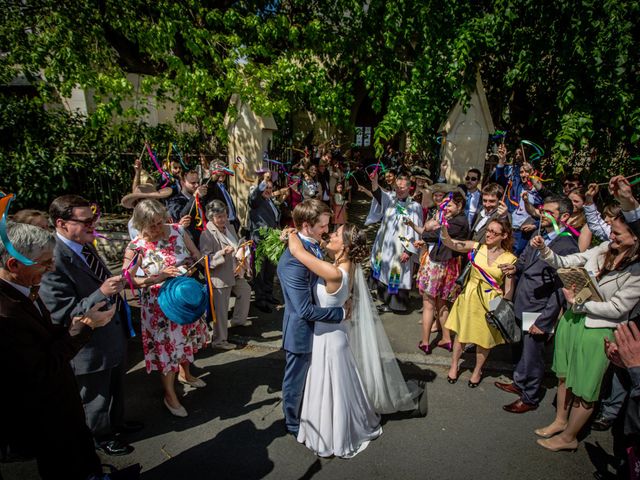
[(160, 249)]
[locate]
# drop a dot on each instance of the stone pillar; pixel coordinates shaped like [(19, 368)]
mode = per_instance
[(465, 135)]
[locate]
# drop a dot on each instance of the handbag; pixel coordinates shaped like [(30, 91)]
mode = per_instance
[(464, 275), (503, 319)]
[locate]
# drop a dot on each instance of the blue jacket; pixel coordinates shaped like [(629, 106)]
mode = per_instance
[(300, 313)]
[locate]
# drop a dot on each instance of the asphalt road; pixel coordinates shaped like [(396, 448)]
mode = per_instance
[(235, 430)]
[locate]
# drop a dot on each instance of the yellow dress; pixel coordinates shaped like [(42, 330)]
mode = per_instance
[(467, 317)]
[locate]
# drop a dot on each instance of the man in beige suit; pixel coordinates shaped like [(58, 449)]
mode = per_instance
[(220, 241)]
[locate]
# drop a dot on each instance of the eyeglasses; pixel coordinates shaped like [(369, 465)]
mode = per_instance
[(471, 179), (89, 222), (493, 232)]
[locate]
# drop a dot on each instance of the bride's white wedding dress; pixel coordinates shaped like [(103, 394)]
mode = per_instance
[(337, 417)]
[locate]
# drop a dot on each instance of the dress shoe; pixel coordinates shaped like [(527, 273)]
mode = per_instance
[(130, 426), (197, 383), (519, 407), (178, 412), (602, 424), (425, 347), (114, 447), (263, 307), (508, 387), (554, 446), (447, 346), (384, 308)]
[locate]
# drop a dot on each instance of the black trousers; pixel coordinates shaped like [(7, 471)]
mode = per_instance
[(263, 282)]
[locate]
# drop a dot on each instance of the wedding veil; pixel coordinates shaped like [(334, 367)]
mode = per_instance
[(376, 361)]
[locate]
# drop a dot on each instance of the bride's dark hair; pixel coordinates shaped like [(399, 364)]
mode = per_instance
[(355, 242)]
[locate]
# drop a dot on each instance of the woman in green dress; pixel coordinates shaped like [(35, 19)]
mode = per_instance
[(579, 359)]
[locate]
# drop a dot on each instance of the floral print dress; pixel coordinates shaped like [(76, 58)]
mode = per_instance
[(165, 343)]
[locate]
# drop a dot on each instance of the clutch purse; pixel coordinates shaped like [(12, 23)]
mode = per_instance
[(586, 289)]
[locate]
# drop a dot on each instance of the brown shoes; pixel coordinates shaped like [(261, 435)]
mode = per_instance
[(508, 387), (519, 407)]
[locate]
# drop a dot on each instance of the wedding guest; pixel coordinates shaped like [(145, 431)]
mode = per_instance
[(579, 359), (263, 213), (221, 242), (159, 250), (32, 217), (44, 414), (339, 205), (468, 314), (440, 268), (539, 291)]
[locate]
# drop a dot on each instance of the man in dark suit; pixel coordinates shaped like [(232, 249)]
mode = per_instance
[(80, 281), (492, 208), (263, 213), (311, 218), (44, 414), (538, 291)]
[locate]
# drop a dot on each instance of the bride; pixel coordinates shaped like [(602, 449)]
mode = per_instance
[(337, 416)]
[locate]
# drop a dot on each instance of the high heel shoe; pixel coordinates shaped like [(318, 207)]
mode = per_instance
[(471, 384), (425, 347), (447, 346), (451, 380)]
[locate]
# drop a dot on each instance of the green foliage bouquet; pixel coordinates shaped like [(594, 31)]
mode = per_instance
[(269, 247)]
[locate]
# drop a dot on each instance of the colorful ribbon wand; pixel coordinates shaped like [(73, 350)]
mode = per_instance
[(5, 203)]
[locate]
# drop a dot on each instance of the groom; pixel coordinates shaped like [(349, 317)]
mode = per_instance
[(311, 219)]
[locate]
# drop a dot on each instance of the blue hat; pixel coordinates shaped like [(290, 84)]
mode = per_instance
[(183, 299)]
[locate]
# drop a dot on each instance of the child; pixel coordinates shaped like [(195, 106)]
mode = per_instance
[(309, 186), (339, 204)]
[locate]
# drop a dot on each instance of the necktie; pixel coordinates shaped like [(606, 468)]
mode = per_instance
[(95, 264), (227, 198), (33, 293), (316, 250), (98, 269)]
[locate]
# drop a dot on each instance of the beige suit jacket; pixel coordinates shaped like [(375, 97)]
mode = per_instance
[(212, 243)]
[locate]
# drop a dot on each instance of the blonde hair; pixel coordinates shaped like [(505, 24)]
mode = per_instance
[(146, 211)]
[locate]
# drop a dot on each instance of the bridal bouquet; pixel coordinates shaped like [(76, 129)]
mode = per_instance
[(270, 246)]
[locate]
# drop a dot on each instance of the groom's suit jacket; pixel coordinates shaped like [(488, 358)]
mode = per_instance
[(297, 284)]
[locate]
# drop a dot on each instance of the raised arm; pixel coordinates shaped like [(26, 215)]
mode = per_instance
[(461, 246), (325, 270)]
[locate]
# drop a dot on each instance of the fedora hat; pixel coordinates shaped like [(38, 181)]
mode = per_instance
[(183, 299), (145, 190)]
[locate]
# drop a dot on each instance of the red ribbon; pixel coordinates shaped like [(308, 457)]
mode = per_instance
[(487, 276)]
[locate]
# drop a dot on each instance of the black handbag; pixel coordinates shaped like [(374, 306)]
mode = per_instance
[(464, 275), (503, 319)]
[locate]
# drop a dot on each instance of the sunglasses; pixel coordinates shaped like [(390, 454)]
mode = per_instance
[(89, 222), (471, 179)]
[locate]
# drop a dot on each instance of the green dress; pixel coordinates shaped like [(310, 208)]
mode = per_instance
[(579, 355)]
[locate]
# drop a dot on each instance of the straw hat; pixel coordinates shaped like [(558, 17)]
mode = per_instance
[(183, 299), (143, 191)]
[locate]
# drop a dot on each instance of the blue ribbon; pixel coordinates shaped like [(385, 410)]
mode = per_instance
[(5, 238)]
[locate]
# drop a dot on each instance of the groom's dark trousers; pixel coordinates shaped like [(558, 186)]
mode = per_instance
[(297, 284)]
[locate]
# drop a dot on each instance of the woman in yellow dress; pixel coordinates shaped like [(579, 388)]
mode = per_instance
[(467, 318)]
